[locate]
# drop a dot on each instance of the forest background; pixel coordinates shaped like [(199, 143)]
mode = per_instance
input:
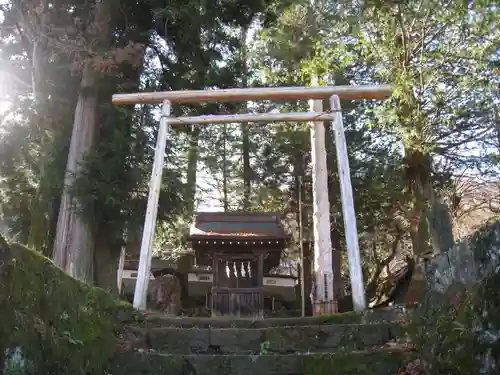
[(74, 169)]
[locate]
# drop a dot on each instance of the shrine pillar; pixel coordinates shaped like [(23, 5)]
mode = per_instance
[(323, 299)]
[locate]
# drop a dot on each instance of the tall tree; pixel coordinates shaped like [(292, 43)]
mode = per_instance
[(57, 30), (245, 131), (74, 242), (439, 56), (37, 65)]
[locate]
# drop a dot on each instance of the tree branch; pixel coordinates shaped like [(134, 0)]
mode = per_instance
[(372, 285)]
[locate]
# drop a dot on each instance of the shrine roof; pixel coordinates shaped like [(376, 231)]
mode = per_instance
[(247, 225)]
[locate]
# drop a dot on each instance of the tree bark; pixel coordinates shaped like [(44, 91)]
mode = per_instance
[(225, 188), (430, 221), (74, 243), (247, 171), (105, 264), (192, 165), (300, 198)]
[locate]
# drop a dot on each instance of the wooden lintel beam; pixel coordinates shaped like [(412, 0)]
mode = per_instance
[(251, 117), (255, 94)]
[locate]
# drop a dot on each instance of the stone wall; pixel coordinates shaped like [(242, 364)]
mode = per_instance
[(467, 262)]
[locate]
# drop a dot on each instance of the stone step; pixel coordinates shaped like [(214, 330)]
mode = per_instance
[(368, 316), (360, 363), (326, 338)]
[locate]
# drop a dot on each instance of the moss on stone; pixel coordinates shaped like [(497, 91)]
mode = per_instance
[(53, 324), (373, 363), (459, 332), (58, 324), (457, 327), (360, 364), (368, 316)]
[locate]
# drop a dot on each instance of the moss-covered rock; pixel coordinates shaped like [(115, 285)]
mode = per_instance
[(290, 339), (457, 327), (51, 323), (356, 364), (369, 316), (368, 363)]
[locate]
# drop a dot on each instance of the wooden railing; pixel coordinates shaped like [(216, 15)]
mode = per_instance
[(237, 302)]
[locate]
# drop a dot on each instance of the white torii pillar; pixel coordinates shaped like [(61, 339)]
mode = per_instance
[(321, 218), (349, 215), (148, 234), (323, 298), (321, 224)]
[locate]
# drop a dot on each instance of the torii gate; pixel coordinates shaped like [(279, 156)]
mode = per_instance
[(321, 218)]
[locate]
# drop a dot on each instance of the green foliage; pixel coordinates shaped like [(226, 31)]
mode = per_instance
[(25, 181), (444, 343), (264, 347), (440, 57), (112, 175), (440, 63)]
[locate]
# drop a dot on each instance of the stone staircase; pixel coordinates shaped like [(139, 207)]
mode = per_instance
[(340, 344)]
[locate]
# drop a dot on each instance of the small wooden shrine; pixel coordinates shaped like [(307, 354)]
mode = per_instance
[(241, 247)]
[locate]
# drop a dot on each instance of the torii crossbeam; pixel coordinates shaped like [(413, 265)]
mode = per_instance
[(321, 218)]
